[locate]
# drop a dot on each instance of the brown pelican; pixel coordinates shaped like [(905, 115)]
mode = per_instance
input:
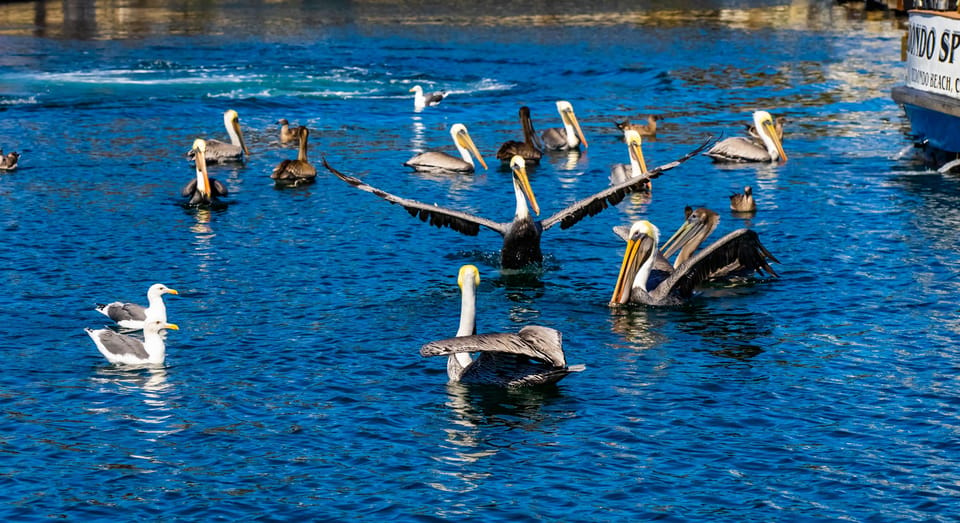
[(287, 134), (621, 172), (203, 190), (432, 161), (120, 348), (570, 136), (235, 151), (742, 149), (643, 280), (131, 316), (421, 100), (647, 129), (743, 202), (521, 236), (533, 356), (9, 162), (299, 171), (530, 149)]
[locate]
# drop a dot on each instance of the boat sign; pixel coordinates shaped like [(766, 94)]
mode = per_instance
[(933, 53)]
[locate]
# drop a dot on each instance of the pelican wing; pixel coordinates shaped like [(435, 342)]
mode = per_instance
[(596, 203), (461, 222), (739, 252), (739, 149), (541, 343), (438, 161)]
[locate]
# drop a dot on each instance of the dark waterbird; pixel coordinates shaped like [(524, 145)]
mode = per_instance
[(743, 202), (533, 356), (296, 172), (530, 149), (643, 129), (10, 161), (521, 236)]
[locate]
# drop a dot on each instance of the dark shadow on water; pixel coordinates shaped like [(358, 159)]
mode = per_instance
[(485, 405)]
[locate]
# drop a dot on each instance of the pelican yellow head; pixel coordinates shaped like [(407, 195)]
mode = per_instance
[(520, 180)]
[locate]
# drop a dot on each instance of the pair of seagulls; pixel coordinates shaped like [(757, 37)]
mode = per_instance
[(152, 319)]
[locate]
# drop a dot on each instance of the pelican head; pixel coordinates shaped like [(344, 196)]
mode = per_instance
[(570, 122), (768, 133), (637, 260), (521, 185), (203, 179), (633, 140), (469, 275), (699, 224), (232, 122), (462, 139)]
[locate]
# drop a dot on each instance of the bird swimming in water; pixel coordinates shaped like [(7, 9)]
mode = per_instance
[(131, 315), (203, 191), (534, 356), (235, 151), (287, 134), (743, 202), (767, 148), (644, 279), (120, 348), (621, 172), (421, 100), (643, 129), (10, 161), (530, 149), (570, 136), (521, 235), (434, 161), (292, 173)]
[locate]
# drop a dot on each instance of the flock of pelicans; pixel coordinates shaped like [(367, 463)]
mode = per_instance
[(534, 355)]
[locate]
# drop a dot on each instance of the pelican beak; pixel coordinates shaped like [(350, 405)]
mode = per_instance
[(684, 234), (203, 179), (519, 167), (637, 152), (463, 138), (171, 326), (772, 133), (638, 250), (571, 118), (236, 126)]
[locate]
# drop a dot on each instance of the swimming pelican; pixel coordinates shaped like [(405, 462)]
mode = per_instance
[(131, 315), (299, 171), (287, 134), (530, 149), (9, 162), (639, 281), (742, 149), (120, 348), (433, 161), (743, 202), (621, 172), (203, 190), (647, 129), (534, 356), (521, 236), (218, 151), (570, 136), (421, 100)]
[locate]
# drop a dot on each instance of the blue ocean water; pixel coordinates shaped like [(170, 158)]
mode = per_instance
[(294, 389)]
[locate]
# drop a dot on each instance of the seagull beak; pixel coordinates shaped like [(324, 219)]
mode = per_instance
[(171, 326), (172, 291)]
